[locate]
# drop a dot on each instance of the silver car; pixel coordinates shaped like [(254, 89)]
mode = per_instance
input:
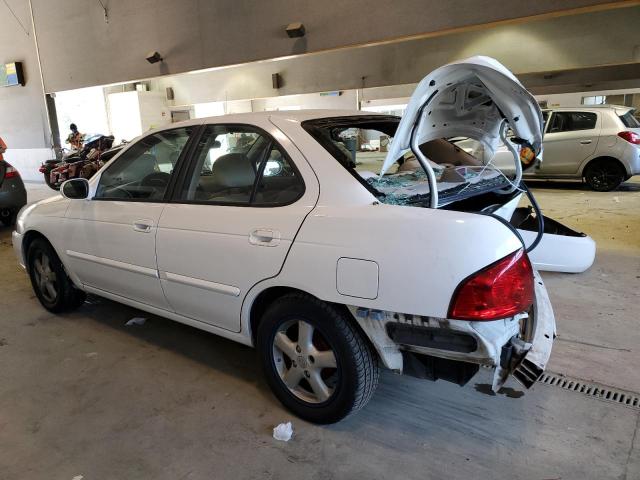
[(597, 143)]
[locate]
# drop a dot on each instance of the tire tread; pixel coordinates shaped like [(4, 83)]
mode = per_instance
[(366, 360)]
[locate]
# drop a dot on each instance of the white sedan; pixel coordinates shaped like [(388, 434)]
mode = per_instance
[(271, 230)]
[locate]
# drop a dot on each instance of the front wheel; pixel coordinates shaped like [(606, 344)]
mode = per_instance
[(50, 282), (316, 362), (604, 175)]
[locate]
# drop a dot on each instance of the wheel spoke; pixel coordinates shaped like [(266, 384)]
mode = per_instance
[(45, 263), (50, 289), (292, 377), (305, 336), (285, 345), (324, 359), (318, 386), (38, 265)]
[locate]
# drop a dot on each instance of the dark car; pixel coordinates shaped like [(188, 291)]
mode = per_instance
[(13, 195)]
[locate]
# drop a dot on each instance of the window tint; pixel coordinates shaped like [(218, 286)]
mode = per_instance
[(571, 121), (228, 161), (629, 120), (144, 170)]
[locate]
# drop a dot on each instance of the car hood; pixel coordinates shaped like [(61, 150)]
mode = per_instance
[(469, 98)]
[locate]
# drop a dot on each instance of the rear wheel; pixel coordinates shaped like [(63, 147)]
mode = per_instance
[(604, 175), (50, 282), (315, 361)]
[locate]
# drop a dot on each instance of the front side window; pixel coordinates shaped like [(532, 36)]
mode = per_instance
[(144, 170), (240, 165), (572, 121)]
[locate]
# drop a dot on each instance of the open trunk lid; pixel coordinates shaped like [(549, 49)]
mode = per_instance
[(471, 98), (478, 98)]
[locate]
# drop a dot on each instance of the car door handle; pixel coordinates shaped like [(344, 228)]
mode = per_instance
[(264, 237), (142, 226), (585, 142)]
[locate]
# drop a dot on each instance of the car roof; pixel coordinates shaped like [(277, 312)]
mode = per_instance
[(292, 115)]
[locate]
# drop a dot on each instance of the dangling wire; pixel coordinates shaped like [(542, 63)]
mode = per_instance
[(516, 158), (539, 218)]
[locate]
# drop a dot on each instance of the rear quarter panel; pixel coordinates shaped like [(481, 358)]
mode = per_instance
[(422, 254)]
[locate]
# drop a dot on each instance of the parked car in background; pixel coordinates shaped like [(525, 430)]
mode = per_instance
[(13, 195), (599, 143), (263, 229)]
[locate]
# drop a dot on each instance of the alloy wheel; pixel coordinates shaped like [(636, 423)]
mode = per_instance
[(305, 361), (45, 277), (604, 177)]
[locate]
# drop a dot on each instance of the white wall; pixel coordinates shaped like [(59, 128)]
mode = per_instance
[(28, 160), (154, 112), (86, 107), (133, 113)]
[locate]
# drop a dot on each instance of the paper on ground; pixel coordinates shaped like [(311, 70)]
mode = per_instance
[(136, 321), (283, 432)]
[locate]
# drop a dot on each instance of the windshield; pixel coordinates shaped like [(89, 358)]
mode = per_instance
[(360, 144)]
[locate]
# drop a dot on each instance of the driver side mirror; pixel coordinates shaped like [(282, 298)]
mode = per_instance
[(75, 189)]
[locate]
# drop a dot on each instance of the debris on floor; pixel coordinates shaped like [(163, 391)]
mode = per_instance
[(136, 321), (283, 432)]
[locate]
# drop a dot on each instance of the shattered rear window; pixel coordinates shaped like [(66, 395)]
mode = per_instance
[(360, 144)]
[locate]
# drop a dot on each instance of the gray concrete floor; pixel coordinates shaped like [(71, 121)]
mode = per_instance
[(81, 394)]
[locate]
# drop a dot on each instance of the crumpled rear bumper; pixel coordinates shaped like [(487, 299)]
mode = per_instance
[(535, 361), (500, 344)]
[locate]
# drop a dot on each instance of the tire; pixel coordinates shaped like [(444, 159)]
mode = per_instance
[(337, 360), (604, 175), (50, 282)]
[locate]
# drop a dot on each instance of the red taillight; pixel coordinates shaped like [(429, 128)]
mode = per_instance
[(630, 137), (500, 290), (11, 172)]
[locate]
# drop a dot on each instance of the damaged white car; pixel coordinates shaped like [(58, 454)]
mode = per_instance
[(270, 229)]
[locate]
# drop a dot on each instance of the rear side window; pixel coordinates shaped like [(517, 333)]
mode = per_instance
[(572, 121), (629, 120), (241, 165)]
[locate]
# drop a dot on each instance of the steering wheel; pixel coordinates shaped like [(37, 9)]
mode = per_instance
[(156, 180)]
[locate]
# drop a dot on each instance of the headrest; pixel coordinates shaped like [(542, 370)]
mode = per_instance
[(233, 170)]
